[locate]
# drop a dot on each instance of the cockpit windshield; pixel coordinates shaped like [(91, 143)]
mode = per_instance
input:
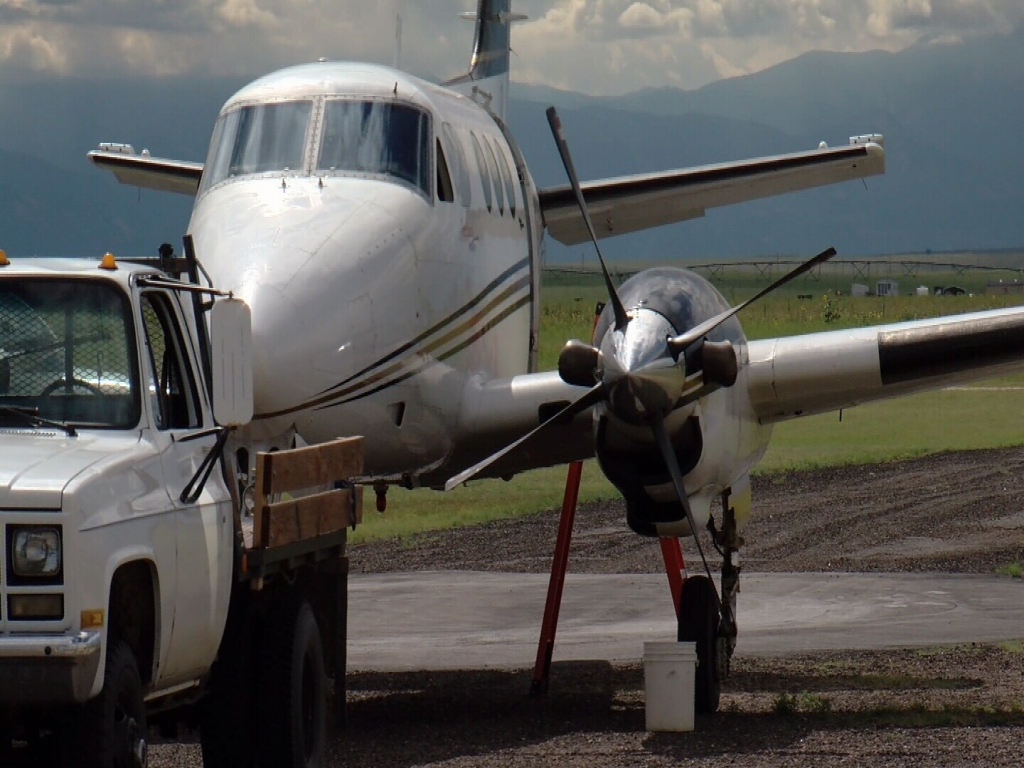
[(261, 138), (377, 137)]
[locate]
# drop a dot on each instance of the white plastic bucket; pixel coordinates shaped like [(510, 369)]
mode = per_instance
[(669, 671)]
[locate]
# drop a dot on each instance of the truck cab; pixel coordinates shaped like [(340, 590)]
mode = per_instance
[(105, 422)]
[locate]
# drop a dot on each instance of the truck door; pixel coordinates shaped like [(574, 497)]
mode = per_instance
[(203, 580)]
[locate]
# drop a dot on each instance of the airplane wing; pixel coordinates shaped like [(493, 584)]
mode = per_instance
[(802, 375), (150, 172), (630, 203)]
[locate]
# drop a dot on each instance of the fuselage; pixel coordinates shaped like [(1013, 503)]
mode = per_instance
[(386, 234)]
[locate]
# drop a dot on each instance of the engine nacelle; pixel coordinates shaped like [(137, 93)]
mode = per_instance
[(672, 300)]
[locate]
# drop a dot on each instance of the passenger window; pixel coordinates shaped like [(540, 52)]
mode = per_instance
[(169, 381), (457, 165), (506, 175), (494, 175), (444, 182), (481, 164)]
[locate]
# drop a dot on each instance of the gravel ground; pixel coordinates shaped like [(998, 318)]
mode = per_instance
[(956, 512)]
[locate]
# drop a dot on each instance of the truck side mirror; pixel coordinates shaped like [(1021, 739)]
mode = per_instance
[(231, 358)]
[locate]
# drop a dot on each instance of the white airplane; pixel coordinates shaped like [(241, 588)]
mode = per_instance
[(387, 235)]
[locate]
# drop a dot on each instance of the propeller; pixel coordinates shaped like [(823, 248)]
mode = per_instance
[(621, 318), (672, 463), (650, 391)]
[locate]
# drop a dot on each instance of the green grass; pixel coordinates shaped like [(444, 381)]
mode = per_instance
[(945, 420), (411, 512), (815, 704), (979, 416), (1013, 570), (785, 704)]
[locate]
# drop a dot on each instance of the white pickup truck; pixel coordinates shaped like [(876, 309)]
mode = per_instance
[(133, 580)]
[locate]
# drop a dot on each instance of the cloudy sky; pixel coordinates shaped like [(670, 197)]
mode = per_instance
[(594, 46)]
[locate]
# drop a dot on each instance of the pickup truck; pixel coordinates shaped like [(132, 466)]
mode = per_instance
[(134, 579)]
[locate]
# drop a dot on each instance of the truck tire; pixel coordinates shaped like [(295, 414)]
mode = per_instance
[(293, 702), (109, 731), (6, 741), (226, 714)]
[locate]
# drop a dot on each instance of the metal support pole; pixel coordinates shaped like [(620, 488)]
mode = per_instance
[(674, 567), (546, 645)]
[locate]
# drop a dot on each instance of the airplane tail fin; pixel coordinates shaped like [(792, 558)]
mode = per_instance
[(487, 79)]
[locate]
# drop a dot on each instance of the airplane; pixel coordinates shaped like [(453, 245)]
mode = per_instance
[(387, 235)]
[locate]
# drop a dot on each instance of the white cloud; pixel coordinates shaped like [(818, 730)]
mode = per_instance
[(640, 16), (32, 49), (597, 46)]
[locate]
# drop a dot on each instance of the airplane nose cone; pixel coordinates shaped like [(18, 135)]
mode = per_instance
[(306, 261), (642, 341)]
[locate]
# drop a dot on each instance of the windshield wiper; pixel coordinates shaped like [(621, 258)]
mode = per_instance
[(31, 415)]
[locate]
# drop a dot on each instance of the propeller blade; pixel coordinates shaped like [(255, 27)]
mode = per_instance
[(669, 455), (621, 318), (591, 397), (679, 343), (578, 363)]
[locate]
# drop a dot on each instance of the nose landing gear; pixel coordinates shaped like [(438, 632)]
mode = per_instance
[(709, 622)]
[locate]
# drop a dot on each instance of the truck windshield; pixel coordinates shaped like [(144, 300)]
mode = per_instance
[(262, 138), (67, 352), (378, 138)]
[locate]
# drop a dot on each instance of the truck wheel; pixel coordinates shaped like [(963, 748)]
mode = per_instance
[(226, 713), (293, 702), (6, 742), (110, 730)]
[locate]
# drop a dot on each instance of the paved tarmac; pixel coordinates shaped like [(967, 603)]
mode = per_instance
[(463, 620)]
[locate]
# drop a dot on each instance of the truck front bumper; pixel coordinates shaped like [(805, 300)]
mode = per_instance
[(48, 669)]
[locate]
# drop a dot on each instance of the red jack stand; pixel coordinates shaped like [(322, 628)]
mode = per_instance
[(546, 646), (674, 567), (670, 550)]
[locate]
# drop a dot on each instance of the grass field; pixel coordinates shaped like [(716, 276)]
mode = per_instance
[(983, 415)]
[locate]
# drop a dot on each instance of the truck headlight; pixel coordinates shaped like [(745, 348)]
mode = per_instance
[(36, 551)]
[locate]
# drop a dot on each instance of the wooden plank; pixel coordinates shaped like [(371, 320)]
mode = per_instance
[(302, 468), (311, 516)]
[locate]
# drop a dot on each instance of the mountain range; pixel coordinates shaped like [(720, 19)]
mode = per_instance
[(951, 114)]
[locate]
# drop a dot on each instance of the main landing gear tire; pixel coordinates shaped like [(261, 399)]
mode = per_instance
[(293, 701), (699, 617), (109, 731)]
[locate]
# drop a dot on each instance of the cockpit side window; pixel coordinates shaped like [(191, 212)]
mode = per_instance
[(260, 138), (481, 164), (493, 165), (506, 177), (445, 193), (457, 165), (376, 137)]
